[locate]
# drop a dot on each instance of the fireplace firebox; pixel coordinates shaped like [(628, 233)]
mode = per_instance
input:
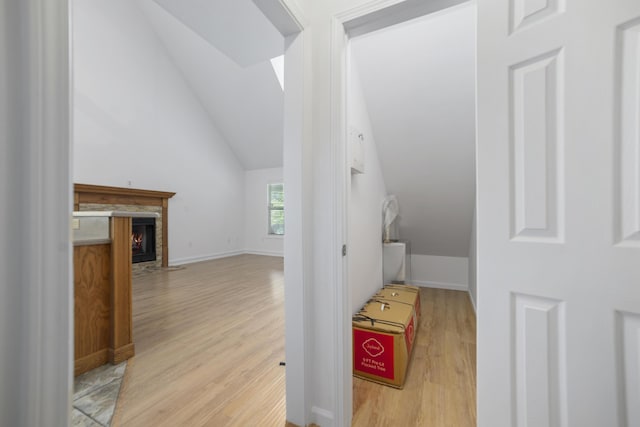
[(143, 240)]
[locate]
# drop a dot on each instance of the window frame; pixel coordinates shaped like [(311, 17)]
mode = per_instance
[(271, 208)]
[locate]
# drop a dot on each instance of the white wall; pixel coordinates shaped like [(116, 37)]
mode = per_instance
[(256, 222), (138, 124), (419, 84), (442, 272), (367, 192), (244, 101)]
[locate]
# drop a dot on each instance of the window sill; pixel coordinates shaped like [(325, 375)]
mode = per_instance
[(275, 236)]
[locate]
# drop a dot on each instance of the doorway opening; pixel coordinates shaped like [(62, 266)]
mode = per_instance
[(410, 95), (180, 67)]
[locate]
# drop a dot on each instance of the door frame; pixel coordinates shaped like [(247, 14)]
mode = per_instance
[(37, 370), (291, 22), (369, 16), (36, 297), (52, 370)]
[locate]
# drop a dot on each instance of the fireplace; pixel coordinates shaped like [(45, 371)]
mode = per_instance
[(143, 240)]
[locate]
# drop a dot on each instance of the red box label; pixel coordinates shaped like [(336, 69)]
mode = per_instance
[(373, 353)]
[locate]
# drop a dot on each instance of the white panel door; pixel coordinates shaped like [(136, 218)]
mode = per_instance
[(558, 213)]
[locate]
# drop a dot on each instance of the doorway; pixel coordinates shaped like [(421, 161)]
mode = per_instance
[(179, 43), (428, 160)]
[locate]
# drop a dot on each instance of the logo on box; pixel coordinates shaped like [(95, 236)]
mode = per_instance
[(373, 347)]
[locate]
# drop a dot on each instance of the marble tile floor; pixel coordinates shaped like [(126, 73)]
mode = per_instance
[(95, 394)]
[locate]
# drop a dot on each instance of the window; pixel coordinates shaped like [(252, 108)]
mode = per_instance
[(276, 209)]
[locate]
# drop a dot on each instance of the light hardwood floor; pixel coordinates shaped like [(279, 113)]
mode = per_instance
[(209, 339)]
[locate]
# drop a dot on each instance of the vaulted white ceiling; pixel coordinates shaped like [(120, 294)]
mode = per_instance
[(236, 28), (223, 49), (418, 80)]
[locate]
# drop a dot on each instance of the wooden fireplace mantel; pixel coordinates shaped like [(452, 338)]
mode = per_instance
[(87, 193)]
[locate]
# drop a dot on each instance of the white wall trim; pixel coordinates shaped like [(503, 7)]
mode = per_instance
[(321, 416), (297, 178), (371, 7), (342, 374), (36, 296), (200, 258), (440, 285), (210, 257), (264, 253), (373, 16)]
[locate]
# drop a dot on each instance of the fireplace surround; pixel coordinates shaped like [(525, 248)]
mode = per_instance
[(89, 197)]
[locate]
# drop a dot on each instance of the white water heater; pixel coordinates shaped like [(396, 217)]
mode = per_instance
[(394, 262)]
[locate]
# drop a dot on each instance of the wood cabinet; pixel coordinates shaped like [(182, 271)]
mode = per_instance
[(92, 305), (103, 326)]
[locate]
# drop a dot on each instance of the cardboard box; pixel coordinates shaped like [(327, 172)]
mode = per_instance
[(404, 294), (383, 335)]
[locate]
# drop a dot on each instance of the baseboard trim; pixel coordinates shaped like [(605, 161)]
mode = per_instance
[(473, 302), (191, 260), (121, 354), (440, 285), (322, 417), (265, 253)]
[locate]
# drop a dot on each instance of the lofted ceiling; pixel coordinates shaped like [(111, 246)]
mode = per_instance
[(418, 80), (236, 28), (223, 50)]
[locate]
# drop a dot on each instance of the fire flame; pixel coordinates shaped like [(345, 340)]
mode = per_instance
[(136, 241)]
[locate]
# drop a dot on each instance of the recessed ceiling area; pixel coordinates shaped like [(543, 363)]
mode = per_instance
[(418, 80), (223, 50)]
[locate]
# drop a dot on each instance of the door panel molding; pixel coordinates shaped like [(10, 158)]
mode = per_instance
[(537, 148), (525, 13), (539, 361), (628, 350), (628, 134)]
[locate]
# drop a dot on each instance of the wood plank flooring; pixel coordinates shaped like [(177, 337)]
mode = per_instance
[(209, 339)]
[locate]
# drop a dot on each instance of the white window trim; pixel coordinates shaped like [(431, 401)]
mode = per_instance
[(269, 209)]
